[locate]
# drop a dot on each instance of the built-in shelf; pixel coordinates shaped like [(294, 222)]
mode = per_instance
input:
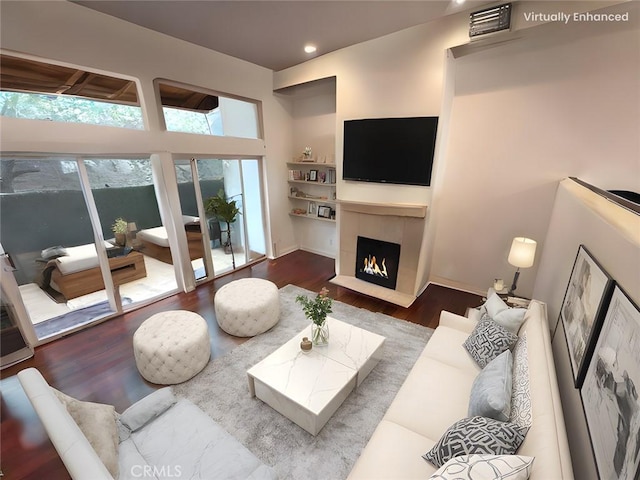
[(314, 164), (312, 217), (309, 182), (317, 200)]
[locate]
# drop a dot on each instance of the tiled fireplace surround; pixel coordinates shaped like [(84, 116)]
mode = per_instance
[(396, 223)]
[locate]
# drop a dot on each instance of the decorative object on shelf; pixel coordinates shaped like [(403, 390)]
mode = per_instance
[(324, 211), (313, 175), (498, 285), (306, 345), (227, 211), (299, 211), (313, 208), (610, 390), (119, 228), (307, 154), (521, 255), (583, 308), (316, 310)]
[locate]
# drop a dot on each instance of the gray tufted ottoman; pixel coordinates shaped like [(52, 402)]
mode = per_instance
[(247, 307), (171, 347)]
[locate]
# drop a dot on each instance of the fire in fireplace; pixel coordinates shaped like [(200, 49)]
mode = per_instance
[(377, 261)]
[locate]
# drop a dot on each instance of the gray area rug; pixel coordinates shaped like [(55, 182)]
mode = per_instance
[(222, 391)]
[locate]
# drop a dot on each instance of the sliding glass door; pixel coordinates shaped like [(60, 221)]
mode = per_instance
[(229, 195), (46, 226)]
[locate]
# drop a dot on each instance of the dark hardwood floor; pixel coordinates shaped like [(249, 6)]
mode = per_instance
[(97, 364)]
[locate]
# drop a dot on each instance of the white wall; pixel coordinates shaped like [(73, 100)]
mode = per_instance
[(612, 236), (561, 100), (525, 114), (73, 35)]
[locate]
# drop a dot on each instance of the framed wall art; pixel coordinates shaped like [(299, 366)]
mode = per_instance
[(610, 391), (583, 308)]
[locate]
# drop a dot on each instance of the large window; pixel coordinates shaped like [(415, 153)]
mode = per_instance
[(189, 110), (44, 91)]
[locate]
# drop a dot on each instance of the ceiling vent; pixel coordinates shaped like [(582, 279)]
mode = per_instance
[(490, 20)]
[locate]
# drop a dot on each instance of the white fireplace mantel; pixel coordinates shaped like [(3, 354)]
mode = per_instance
[(399, 223), (395, 209)]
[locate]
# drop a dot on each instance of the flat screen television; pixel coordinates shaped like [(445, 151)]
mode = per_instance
[(389, 150)]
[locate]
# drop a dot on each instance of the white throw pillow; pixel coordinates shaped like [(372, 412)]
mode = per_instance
[(502, 314), (485, 467), (511, 319), (98, 423), (495, 305)]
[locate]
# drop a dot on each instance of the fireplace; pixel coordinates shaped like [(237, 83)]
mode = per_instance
[(377, 261)]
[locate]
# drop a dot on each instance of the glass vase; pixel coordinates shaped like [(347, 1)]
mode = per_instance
[(320, 333)]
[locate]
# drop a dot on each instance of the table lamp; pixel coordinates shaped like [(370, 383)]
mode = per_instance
[(521, 255)]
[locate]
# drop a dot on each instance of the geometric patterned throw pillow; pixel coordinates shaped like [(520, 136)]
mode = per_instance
[(476, 435), (520, 393), (488, 340), (485, 467)]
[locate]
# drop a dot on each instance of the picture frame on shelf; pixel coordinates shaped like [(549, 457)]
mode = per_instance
[(312, 208), (610, 394), (585, 303), (313, 175), (324, 211)]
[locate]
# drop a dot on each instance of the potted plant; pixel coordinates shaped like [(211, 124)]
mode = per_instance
[(119, 228), (316, 310), (227, 211)]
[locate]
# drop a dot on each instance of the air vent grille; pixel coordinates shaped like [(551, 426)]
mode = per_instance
[(490, 20)]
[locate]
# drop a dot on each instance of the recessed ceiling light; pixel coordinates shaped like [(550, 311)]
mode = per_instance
[(309, 48), (459, 2)]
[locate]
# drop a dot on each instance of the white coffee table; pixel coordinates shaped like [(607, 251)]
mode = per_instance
[(308, 388)]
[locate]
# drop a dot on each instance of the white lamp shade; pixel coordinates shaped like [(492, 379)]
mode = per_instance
[(522, 253)]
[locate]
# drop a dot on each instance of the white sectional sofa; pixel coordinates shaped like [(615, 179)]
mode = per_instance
[(157, 437), (436, 394)]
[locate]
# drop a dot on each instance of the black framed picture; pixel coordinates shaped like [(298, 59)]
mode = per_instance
[(324, 211), (583, 308), (610, 391), (313, 175)]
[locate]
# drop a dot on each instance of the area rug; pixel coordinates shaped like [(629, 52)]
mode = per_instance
[(222, 391)]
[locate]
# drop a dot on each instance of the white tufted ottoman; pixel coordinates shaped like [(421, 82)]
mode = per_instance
[(171, 347), (247, 307)]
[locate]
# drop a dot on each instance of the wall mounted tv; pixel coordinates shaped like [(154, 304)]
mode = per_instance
[(389, 150)]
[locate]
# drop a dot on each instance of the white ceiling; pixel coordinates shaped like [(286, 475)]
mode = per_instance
[(273, 33)]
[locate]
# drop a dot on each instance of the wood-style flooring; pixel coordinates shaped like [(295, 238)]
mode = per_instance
[(97, 364)]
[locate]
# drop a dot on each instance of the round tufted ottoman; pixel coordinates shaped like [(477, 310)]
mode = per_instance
[(247, 307), (171, 347)]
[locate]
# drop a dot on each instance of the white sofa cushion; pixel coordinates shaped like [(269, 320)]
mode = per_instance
[(485, 467), (476, 435), (491, 391), (446, 391), (190, 445)]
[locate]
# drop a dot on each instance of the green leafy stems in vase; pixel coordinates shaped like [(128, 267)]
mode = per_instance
[(316, 310)]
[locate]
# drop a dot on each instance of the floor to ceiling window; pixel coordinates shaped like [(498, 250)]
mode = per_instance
[(229, 194), (57, 266)]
